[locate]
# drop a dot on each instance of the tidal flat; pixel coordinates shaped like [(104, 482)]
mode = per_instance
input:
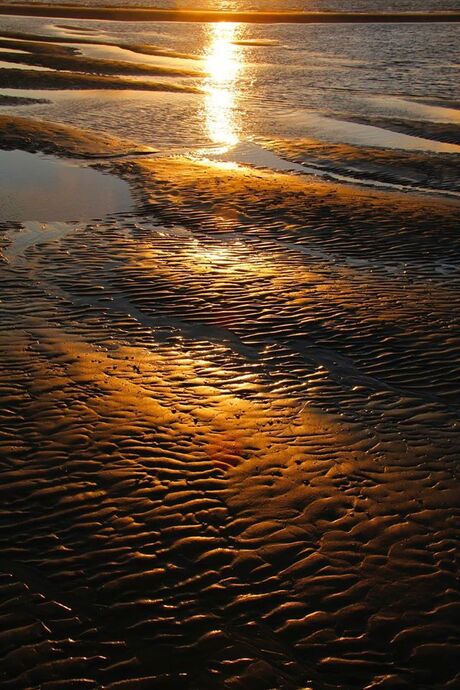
[(229, 354)]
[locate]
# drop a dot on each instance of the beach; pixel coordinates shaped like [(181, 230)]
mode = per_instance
[(229, 348)]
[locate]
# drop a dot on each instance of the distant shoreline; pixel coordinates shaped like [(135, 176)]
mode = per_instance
[(145, 14)]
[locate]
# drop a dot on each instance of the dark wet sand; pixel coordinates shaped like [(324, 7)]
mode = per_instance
[(47, 137), (224, 463), (34, 79), (56, 45), (179, 15), (439, 171), (19, 100), (76, 63), (229, 423)]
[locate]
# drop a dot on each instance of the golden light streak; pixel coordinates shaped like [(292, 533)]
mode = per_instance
[(223, 68)]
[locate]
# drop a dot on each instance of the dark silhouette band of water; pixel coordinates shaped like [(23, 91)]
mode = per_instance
[(202, 15)]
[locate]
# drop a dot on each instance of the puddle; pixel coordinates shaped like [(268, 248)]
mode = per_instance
[(107, 52), (393, 106), (342, 132), (33, 233), (45, 188), (247, 153)]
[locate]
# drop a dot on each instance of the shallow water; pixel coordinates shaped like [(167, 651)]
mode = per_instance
[(341, 131), (380, 75), (43, 188)]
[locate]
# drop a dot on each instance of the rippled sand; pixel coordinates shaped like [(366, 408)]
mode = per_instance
[(229, 423), (229, 439)]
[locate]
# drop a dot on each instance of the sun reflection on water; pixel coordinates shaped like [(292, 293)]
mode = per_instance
[(223, 68)]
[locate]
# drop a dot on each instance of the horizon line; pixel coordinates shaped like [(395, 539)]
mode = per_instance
[(131, 14)]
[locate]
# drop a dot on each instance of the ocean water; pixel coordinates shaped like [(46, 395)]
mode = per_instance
[(265, 5), (394, 84)]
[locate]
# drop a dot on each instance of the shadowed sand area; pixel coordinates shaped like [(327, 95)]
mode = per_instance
[(230, 413)]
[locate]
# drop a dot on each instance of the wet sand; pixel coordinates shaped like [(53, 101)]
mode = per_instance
[(32, 79), (222, 458), (412, 168), (15, 100), (229, 423), (32, 135)]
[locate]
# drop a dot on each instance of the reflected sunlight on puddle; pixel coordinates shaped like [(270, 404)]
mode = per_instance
[(223, 67)]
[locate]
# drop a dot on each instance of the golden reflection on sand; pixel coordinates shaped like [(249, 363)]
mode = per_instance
[(223, 67)]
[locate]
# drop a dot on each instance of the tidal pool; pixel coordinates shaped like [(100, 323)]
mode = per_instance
[(45, 188)]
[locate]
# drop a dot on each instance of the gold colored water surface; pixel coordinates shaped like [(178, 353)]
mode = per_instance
[(223, 66)]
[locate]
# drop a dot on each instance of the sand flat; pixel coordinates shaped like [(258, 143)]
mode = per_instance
[(229, 418), (223, 433)]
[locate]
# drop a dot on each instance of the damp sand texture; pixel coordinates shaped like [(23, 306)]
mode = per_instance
[(229, 386)]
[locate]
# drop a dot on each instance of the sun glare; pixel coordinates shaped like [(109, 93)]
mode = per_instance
[(223, 68)]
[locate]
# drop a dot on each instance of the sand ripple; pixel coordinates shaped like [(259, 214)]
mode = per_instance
[(229, 439)]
